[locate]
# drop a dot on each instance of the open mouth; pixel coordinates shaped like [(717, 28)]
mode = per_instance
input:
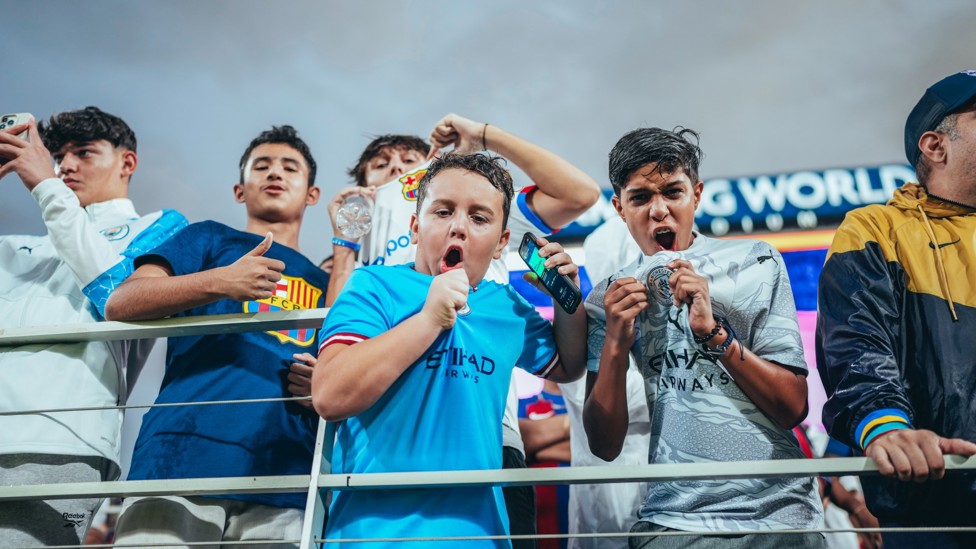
[(665, 238), (452, 259)]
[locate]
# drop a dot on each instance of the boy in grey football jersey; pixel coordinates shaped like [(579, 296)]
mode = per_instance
[(712, 326)]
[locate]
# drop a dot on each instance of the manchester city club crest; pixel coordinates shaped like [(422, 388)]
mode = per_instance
[(116, 233), (411, 182), (654, 273), (657, 285)]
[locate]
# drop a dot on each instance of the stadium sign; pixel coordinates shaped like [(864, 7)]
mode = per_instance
[(802, 200)]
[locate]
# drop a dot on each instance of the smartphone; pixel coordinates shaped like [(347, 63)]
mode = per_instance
[(560, 286), (11, 120)]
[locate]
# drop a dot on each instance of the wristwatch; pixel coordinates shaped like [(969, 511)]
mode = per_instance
[(724, 346)]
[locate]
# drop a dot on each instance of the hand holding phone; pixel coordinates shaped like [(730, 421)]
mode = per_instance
[(11, 120), (24, 153), (562, 289)]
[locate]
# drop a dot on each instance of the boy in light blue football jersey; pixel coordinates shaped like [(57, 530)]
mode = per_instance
[(416, 359)]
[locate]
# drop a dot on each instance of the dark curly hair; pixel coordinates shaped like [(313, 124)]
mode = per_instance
[(669, 150), (286, 135), (490, 167), (82, 126), (401, 143)]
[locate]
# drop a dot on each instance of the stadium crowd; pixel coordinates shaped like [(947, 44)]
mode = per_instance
[(687, 349)]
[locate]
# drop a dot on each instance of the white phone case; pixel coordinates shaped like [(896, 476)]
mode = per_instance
[(15, 119)]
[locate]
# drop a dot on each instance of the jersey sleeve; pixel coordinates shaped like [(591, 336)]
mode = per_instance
[(167, 224), (186, 252), (97, 264), (775, 332), (521, 219), (361, 312), (857, 339), (539, 355), (596, 325)]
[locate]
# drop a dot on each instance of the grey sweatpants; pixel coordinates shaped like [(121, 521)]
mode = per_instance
[(49, 522), (179, 520), (730, 541)]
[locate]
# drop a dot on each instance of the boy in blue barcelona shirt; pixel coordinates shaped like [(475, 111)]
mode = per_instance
[(208, 269), (415, 360)]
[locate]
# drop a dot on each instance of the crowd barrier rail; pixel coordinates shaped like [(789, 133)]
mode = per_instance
[(320, 482)]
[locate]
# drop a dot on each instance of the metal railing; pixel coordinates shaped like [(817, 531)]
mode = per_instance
[(320, 481)]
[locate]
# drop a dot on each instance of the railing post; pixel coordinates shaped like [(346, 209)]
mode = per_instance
[(317, 504)]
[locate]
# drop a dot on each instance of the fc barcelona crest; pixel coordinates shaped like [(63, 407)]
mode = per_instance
[(290, 293), (411, 182)]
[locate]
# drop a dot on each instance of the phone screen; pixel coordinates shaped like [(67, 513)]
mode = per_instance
[(560, 286), (536, 262)]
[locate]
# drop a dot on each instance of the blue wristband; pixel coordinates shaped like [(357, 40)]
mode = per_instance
[(345, 243)]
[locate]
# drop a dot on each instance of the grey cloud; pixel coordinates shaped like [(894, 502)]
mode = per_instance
[(771, 85)]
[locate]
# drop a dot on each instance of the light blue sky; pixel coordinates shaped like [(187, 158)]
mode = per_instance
[(772, 86)]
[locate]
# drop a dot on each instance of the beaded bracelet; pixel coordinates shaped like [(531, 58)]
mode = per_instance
[(346, 244), (713, 333), (720, 349)]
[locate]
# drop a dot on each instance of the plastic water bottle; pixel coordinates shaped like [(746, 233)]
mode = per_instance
[(355, 216)]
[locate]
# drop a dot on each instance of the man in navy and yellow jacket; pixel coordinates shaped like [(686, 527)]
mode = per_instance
[(896, 331)]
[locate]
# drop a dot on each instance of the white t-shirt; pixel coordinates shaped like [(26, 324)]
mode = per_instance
[(389, 243), (607, 507)]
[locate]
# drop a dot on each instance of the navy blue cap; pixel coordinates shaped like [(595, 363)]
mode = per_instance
[(940, 100)]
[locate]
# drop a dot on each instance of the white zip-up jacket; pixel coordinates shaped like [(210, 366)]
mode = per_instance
[(66, 278)]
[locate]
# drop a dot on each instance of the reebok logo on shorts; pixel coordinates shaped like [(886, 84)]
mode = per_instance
[(73, 520)]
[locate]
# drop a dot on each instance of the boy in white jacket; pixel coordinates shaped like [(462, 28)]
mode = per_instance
[(65, 277)]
